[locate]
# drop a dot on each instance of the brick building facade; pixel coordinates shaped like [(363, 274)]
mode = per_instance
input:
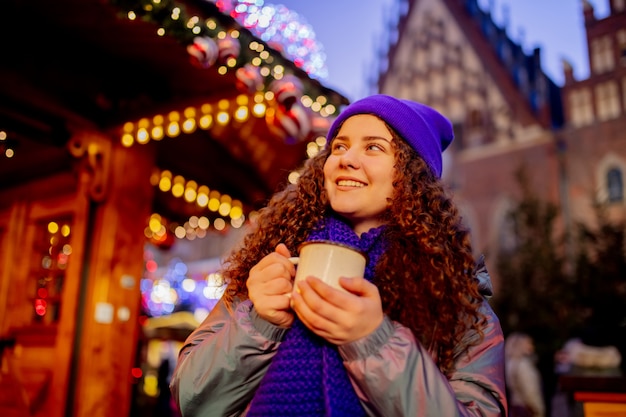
[(508, 114)]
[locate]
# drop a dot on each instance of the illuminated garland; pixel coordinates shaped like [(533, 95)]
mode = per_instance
[(220, 41), (295, 106)]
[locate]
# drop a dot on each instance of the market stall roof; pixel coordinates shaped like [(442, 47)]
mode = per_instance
[(106, 64)]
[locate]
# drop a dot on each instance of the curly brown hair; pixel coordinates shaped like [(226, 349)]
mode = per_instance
[(426, 275)]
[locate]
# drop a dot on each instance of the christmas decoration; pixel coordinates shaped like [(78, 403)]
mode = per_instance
[(287, 90), (320, 125), (203, 51), (249, 79), (229, 47), (292, 124), (290, 119)]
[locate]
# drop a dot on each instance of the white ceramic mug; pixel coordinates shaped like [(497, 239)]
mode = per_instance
[(328, 261)]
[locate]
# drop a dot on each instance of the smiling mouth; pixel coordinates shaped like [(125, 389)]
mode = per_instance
[(350, 183)]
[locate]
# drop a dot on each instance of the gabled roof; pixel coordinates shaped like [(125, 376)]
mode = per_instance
[(535, 97), (508, 60), (70, 64)]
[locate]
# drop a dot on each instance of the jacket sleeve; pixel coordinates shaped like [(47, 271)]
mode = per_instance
[(222, 362), (394, 375)]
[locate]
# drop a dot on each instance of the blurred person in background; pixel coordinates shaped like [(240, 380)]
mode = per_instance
[(523, 380)]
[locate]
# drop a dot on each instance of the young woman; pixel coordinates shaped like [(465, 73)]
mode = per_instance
[(414, 337)]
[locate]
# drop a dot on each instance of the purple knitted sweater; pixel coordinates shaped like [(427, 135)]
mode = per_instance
[(307, 376)]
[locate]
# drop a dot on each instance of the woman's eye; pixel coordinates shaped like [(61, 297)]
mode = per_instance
[(375, 146), (338, 146)]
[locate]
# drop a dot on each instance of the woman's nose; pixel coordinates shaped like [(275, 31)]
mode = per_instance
[(349, 159)]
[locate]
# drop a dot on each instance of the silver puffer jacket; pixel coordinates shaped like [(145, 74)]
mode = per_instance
[(223, 361)]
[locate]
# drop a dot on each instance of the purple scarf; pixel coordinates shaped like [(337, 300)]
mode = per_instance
[(307, 376)]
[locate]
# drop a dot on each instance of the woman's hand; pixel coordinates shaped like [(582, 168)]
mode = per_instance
[(270, 283), (335, 315)]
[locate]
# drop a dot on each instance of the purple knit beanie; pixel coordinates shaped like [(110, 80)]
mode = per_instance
[(422, 127)]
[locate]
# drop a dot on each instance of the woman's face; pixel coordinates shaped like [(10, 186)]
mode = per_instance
[(359, 172)]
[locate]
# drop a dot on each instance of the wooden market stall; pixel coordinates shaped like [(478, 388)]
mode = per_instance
[(119, 121), (595, 393)]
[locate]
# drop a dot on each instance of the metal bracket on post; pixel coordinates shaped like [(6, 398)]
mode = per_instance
[(95, 152)]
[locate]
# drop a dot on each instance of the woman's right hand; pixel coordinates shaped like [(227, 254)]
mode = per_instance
[(270, 283)]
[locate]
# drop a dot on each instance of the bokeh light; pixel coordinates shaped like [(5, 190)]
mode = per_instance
[(282, 29)]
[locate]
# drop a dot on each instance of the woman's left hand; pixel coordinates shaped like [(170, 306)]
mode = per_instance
[(338, 316)]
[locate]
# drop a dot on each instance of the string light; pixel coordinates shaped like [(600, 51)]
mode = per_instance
[(6, 147), (193, 193)]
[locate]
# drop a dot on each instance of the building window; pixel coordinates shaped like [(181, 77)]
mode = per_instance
[(521, 77), (624, 91), (621, 42), (459, 140), (607, 100), (507, 238), (504, 227), (436, 54), (581, 110), (602, 55), (475, 132), (610, 178), (615, 185)]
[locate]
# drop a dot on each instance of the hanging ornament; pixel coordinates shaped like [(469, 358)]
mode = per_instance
[(203, 51), (277, 46), (229, 47), (320, 125), (293, 125), (287, 90), (249, 79)]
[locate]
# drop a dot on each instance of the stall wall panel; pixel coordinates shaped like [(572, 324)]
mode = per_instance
[(41, 242)]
